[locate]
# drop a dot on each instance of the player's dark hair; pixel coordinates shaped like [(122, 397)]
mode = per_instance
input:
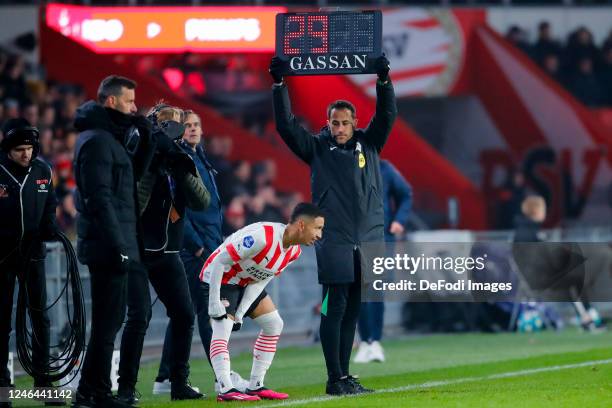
[(112, 85), (341, 104), (307, 210)]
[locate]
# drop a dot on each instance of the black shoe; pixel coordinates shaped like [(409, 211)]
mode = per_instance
[(129, 396), (338, 387), (183, 391), (352, 382), (82, 400)]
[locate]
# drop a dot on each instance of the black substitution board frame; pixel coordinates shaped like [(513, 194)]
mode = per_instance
[(329, 43)]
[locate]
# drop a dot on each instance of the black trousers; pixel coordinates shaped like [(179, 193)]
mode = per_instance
[(108, 302), (37, 298), (167, 275), (199, 298), (339, 315)]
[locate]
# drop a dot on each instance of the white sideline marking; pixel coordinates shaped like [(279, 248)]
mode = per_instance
[(431, 384)]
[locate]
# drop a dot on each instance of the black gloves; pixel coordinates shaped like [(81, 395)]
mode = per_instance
[(123, 262), (127, 265), (236, 327), (382, 68), (276, 66)]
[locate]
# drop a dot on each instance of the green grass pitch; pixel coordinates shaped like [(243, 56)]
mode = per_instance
[(566, 369)]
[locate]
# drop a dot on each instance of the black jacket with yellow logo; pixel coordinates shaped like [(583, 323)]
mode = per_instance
[(346, 182)]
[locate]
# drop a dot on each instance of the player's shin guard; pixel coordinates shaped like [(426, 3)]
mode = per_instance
[(265, 347), (219, 352)]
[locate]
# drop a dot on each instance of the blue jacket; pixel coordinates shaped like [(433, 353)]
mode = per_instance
[(397, 195), (203, 228)]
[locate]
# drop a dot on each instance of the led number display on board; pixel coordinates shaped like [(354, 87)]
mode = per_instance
[(340, 42)]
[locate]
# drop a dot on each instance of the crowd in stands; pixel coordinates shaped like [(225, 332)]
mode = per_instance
[(237, 85), (580, 65), (246, 189)]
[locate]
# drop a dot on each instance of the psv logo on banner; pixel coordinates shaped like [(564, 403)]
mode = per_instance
[(425, 48)]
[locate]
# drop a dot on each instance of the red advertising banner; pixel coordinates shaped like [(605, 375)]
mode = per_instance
[(166, 29)]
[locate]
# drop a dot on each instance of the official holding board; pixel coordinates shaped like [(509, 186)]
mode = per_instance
[(345, 166)]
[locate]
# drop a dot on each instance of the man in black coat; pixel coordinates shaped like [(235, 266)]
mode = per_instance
[(27, 208), (347, 186), (114, 149)]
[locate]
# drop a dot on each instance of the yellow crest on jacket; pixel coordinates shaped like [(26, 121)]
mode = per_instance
[(362, 160)]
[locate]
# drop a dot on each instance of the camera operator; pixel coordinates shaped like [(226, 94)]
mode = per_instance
[(202, 236), (171, 184)]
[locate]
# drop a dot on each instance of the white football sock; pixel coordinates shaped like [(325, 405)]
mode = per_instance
[(265, 347), (219, 352)]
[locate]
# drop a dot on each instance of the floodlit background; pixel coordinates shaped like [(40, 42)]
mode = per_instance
[(497, 100)]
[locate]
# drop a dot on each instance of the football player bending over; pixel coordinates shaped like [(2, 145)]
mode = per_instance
[(235, 276)]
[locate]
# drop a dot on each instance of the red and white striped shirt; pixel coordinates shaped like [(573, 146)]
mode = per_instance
[(252, 254)]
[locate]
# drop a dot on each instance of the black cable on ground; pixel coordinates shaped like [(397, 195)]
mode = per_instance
[(68, 357)]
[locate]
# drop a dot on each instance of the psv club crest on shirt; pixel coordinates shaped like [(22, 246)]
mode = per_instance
[(4, 191), (42, 185)]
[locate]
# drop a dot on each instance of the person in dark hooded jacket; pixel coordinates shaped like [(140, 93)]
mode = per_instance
[(113, 151), (27, 218), (347, 185)]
